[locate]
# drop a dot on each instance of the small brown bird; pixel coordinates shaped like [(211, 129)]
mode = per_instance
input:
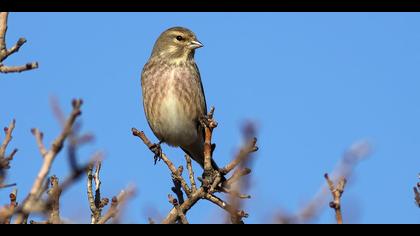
[(173, 95)]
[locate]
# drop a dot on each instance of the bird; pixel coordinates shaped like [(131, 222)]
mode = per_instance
[(173, 93)]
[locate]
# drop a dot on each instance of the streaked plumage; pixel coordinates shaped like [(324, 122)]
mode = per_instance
[(173, 95)]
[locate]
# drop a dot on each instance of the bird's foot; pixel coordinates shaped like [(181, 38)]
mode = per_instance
[(208, 120), (214, 181), (157, 150)]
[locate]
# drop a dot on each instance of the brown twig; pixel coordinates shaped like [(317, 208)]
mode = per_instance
[(5, 160), (351, 157), (188, 203), (191, 173), (244, 152), (56, 147), (238, 174), (181, 215), (37, 187), (95, 201), (165, 159), (212, 178), (336, 191), (235, 214), (8, 131), (177, 189), (5, 53), (116, 204), (11, 208), (209, 124), (54, 194), (39, 136)]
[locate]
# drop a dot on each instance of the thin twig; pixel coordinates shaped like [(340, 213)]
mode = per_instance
[(48, 160), (95, 201), (337, 192), (12, 206), (39, 136), (191, 173), (165, 159), (116, 204), (5, 160), (54, 193), (209, 124), (177, 186), (236, 215), (244, 152), (5, 53), (181, 215), (8, 131), (349, 160), (173, 215)]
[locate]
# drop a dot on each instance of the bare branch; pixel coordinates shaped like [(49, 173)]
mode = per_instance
[(116, 205), (5, 53), (181, 215), (37, 187), (39, 140), (8, 131), (337, 192), (237, 175), (190, 202), (95, 201), (5, 160), (54, 194), (165, 159), (56, 147), (236, 215), (3, 29), (18, 69), (191, 173), (244, 152), (10, 209), (209, 124), (177, 186), (351, 157)]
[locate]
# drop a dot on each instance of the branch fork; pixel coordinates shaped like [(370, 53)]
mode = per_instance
[(212, 181)]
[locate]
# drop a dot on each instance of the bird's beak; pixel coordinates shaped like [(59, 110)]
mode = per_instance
[(196, 44)]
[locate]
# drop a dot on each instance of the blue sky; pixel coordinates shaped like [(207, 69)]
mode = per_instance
[(315, 83)]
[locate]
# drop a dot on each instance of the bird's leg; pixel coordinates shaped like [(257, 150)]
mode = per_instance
[(157, 150)]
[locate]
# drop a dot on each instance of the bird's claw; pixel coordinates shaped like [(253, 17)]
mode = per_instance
[(157, 150), (208, 121)]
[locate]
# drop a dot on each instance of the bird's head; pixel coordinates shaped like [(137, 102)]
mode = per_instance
[(176, 43)]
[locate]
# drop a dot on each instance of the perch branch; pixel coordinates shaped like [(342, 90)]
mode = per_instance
[(165, 159), (209, 124)]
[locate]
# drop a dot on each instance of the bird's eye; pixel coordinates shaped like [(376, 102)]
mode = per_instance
[(179, 38)]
